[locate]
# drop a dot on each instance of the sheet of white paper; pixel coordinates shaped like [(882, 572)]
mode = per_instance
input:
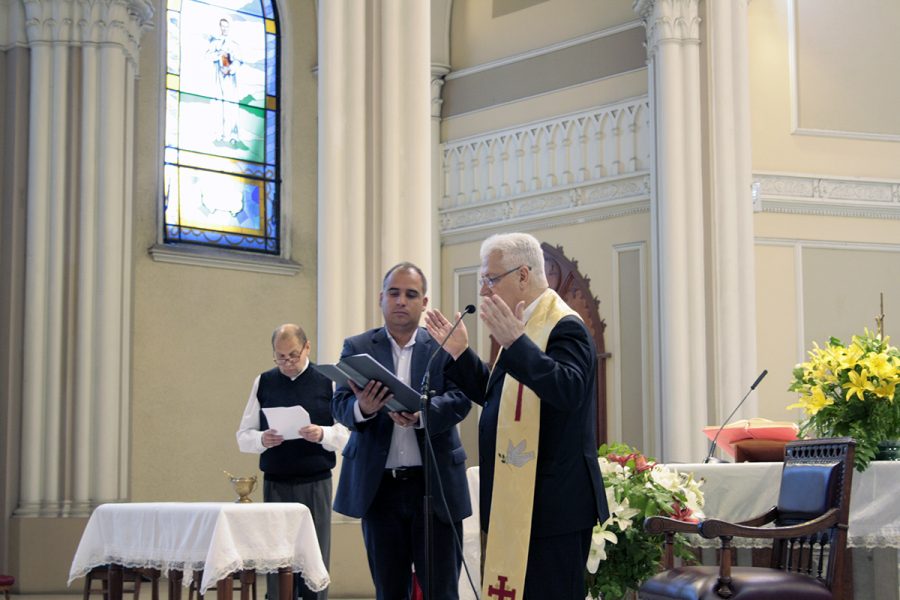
[(287, 420)]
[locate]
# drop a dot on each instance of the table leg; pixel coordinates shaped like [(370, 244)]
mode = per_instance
[(115, 581), (175, 578), (285, 583)]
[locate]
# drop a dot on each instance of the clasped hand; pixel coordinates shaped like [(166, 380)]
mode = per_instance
[(374, 396)]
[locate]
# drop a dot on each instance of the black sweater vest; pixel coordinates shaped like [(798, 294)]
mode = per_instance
[(296, 461)]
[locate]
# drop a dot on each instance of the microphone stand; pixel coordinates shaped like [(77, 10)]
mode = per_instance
[(712, 447), (427, 508)]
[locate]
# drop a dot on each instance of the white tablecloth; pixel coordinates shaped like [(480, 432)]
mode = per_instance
[(734, 492), (218, 538)]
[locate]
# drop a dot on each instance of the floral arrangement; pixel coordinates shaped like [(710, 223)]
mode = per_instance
[(622, 554), (851, 391)]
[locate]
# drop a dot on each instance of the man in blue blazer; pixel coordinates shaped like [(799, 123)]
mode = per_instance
[(547, 352), (382, 479)]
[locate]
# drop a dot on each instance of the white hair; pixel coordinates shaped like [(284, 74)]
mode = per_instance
[(517, 249)]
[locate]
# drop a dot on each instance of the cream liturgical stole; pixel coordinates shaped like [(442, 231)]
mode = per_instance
[(515, 466)]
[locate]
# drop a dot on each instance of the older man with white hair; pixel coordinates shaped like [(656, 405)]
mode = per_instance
[(541, 489)]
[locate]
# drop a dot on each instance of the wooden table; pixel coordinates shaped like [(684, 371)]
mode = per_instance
[(217, 539)]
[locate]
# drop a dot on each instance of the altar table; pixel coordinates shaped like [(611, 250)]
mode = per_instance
[(215, 538), (734, 492)]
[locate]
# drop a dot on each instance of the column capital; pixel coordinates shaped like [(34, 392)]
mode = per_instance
[(438, 72), (102, 22), (669, 21)]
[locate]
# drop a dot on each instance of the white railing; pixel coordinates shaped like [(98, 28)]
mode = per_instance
[(484, 173)]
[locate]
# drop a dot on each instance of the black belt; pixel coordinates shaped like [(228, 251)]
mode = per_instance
[(404, 473)]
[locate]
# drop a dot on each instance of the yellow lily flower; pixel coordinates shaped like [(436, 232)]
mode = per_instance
[(859, 384)]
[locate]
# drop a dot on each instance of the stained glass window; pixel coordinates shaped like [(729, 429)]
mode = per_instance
[(221, 161)]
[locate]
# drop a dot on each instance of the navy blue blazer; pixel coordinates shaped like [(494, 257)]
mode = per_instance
[(568, 494), (366, 452)]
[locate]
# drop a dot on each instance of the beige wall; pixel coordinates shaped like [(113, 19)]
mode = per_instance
[(201, 334), (775, 145), (821, 275)]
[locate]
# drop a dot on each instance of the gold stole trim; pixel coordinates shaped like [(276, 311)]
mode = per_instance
[(515, 467)]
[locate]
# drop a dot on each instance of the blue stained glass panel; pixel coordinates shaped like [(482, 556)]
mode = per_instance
[(270, 137), (221, 158), (271, 64)]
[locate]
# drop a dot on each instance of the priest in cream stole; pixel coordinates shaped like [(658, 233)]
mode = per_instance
[(541, 489)]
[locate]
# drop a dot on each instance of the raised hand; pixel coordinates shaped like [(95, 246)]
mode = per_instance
[(502, 322), (439, 326)]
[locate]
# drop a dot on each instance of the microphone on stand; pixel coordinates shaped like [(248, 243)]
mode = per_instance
[(712, 447), (427, 510)]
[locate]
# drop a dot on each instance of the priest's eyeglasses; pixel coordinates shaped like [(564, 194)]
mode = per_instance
[(492, 281)]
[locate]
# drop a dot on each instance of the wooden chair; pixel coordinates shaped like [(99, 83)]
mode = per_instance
[(808, 529), (131, 582), (6, 583), (243, 582)]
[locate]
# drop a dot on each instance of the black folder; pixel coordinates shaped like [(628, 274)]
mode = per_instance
[(362, 368)]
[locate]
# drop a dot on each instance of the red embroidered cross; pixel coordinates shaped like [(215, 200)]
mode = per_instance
[(501, 592), (519, 403)]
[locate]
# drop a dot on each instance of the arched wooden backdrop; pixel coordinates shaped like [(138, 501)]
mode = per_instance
[(564, 278)]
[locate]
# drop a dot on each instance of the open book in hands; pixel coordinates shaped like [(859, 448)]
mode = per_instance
[(362, 368)]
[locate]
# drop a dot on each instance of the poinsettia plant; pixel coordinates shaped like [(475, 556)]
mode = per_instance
[(851, 390), (622, 554)]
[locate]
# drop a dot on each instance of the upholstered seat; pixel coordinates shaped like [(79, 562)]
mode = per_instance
[(6, 583), (808, 529)]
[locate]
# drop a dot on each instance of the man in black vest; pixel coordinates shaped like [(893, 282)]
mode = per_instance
[(299, 469)]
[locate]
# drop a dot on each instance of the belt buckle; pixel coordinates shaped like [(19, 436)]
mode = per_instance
[(402, 473)]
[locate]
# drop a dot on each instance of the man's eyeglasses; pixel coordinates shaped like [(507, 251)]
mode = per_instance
[(492, 281), (289, 359)]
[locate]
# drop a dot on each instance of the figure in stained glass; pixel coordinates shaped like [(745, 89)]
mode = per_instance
[(225, 53)]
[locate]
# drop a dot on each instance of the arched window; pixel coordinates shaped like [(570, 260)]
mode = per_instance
[(221, 159)]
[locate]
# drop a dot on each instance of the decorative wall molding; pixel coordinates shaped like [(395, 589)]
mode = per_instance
[(199, 256), (542, 51), (812, 195), (589, 165)]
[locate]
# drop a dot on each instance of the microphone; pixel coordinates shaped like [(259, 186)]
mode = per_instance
[(712, 447), (468, 310)]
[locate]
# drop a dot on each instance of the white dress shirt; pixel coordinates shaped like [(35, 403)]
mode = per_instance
[(404, 450), (249, 436)]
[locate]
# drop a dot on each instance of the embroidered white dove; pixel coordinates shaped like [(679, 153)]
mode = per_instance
[(516, 455)]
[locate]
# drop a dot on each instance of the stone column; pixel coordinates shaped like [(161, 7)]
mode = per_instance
[(76, 335), (374, 157), (678, 225), (731, 209), (342, 297), (404, 129)]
